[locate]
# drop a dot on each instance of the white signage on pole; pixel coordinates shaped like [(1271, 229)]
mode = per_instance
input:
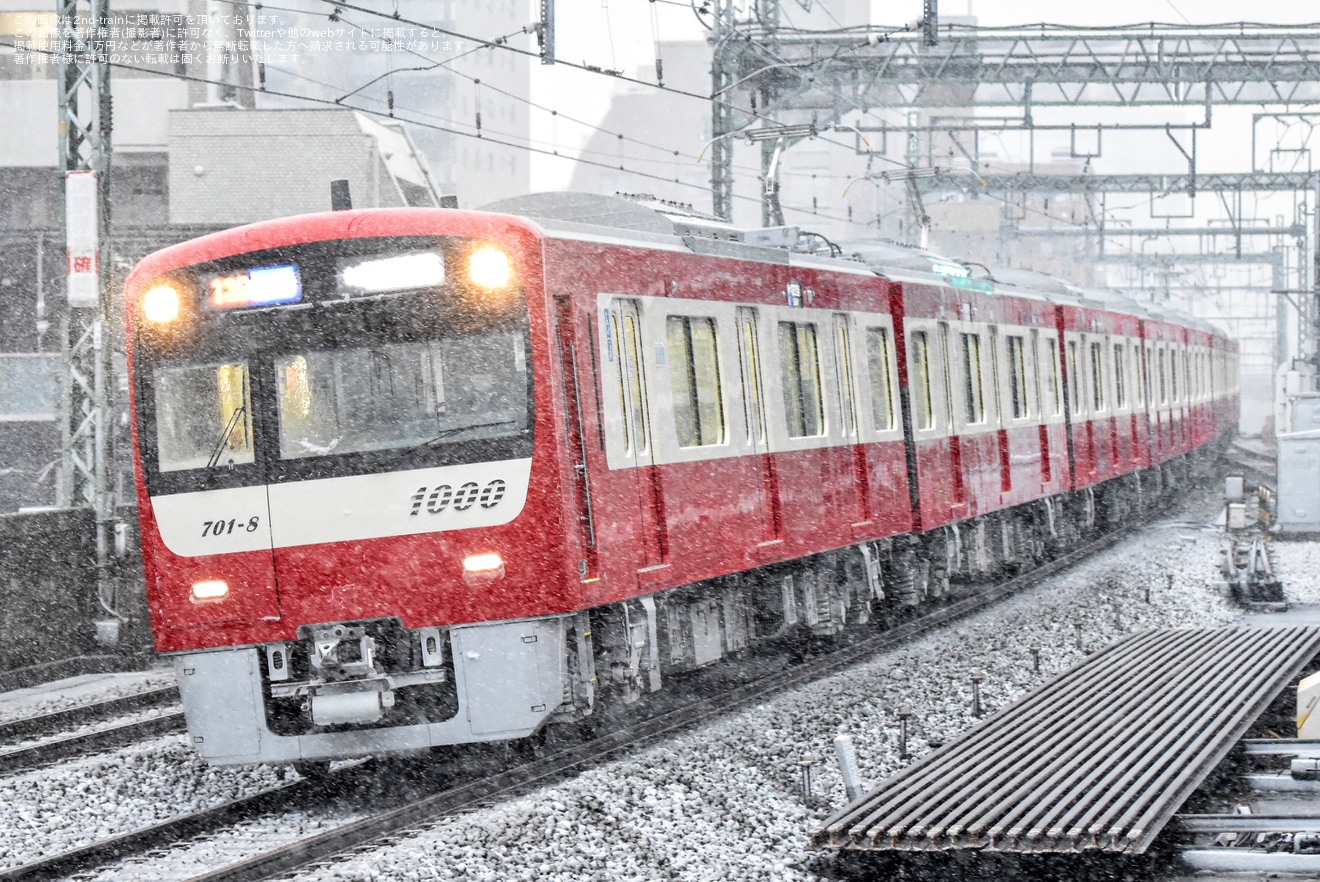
[(81, 220)]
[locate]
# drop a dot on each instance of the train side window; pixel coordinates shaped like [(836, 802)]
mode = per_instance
[(1147, 366), (1097, 377), (843, 365), (799, 364), (923, 414), (1074, 383), (946, 373), (203, 416), (616, 341), (1037, 392), (1017, 377), (1052, 373), (1120, 377), (973, 393), (750, 352), (1138, 394), (631, 364), (694, 372), (1173, 375), (1162, 383), (882, 381)]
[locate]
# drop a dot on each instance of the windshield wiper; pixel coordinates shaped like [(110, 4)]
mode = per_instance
[(224, 437), (455, 430)]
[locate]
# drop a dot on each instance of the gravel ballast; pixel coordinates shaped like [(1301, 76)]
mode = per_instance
[(725, 801)]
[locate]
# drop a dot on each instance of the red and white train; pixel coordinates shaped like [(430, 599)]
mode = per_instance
[(415, 477)]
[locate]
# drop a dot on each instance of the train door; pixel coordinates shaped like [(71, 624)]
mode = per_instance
[(1041, 412), (589, 566), (749, 366), (1151, 397), (945, 367), (1000, 421), (628, 424), (847, 386)]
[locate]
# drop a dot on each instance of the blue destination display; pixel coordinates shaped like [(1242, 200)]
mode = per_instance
[(263, 286)]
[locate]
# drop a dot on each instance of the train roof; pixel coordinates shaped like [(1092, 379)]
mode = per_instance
[(666, 224), (630, 217)]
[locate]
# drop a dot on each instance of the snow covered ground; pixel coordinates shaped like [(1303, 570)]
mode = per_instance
[(723, 801), (1297, 564)]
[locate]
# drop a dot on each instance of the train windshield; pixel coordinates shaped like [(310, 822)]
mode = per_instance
[(405, 395), (254, 385), (203, 416)]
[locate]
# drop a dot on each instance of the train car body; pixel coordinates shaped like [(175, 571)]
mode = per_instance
[(410, 478)]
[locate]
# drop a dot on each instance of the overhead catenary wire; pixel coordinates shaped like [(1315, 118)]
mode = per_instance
[(433, 64), (594, 69), (502, 43), (668, 159), (421, 123)]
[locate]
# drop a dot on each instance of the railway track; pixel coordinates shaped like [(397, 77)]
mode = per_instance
[(36, 741), (458, 787)]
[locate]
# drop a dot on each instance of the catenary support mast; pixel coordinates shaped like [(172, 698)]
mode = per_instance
[(84, 142)]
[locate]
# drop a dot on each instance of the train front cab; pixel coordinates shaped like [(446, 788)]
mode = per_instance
[(349, 498)]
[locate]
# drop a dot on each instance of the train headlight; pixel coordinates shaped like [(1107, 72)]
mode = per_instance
[(161, 304), (210, 590), (482, 568), (489, 267)]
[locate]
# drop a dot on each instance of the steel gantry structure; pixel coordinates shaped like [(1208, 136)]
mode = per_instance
[(773, 84), (765, 77)]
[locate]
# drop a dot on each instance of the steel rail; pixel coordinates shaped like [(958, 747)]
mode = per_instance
[(59, 866), (66, 718), (943, 794), (1294, 747), (1235, 823), (105, 738)]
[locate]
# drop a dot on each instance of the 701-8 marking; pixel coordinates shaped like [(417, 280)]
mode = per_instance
[(224, 528)]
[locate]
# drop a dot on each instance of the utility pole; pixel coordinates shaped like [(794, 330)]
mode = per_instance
[(84, 140)]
